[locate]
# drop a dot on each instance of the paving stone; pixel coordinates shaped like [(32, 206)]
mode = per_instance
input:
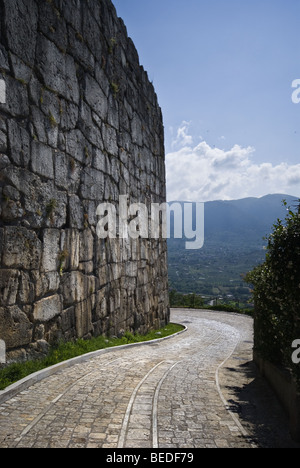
[(165, 396)]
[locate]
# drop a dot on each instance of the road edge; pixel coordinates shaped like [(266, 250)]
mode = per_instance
[(24, 384)]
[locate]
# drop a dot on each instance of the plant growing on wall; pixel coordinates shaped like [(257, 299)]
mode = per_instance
[(115, 89), (62, 260), (50, 209), (112, 45)]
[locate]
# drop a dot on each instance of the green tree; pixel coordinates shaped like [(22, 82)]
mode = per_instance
[(276, 293), (191, 301)]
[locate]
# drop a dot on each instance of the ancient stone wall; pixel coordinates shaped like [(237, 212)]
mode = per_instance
[(80, 125)]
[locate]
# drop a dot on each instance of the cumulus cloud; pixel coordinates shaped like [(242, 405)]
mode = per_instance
[(205, 173), (183, 138)]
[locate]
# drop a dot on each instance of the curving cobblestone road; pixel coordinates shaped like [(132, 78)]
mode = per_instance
[(169, 394)]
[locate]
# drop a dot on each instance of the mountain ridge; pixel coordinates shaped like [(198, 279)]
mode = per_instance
[(253, 217), (235, 232)]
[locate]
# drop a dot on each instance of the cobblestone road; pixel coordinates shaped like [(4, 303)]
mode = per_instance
[(172, 394)]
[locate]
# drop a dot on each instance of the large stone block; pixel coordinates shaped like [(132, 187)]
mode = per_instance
[(95, 97), (15, 327), (67, 173), (75, 287), (46, 283), (76, 212), (80, 51), (86, 246), (20, 19), (42, 160), (77, 146), (48, 308), (83, 317), (19, 143), (92, 185), (70, 245), (9, 284), (51, 250), (110, 140), (52, 25), (92, 30), (4, 64), (17, 103), (3, 142), (26, 293), (58, 69), (22, 249)]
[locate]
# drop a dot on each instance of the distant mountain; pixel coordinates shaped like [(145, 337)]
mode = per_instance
[(241, 222), (246, 221), (234, 232)]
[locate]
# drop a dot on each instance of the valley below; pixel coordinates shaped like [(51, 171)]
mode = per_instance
[(235, 243)]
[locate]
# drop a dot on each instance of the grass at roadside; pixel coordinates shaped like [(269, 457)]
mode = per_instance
[(65, 351)]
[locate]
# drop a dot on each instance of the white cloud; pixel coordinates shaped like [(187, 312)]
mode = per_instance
[(182, 137), (203, 173)]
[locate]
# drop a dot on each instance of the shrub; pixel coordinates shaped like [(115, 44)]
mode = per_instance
[(277, 294), (191, 301)]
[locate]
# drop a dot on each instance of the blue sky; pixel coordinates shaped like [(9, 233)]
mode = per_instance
[(223, 73)]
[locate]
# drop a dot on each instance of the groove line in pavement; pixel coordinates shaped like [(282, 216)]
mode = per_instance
[(155, 407), (125, 424), (171, 394), (49, 407)]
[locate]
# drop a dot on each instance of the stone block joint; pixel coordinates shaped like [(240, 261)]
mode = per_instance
[(80, 124)]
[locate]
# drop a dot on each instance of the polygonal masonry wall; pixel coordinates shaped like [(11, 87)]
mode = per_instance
[(79, 125)]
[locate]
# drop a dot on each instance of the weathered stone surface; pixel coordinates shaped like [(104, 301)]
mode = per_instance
[(81, 125), (42, 160), (21, 17), (47, 283), (17, 103), (58, 70), (83, 317), (110, 140), (15, 327), (95, 97), (2, 352), (3, 142), (4, 65), (76, 212), (21, 71), (70, 244), (9, 284), (50, 257), (75, 287), (47, 308), (92, 184), (22, 249), (75, 145), (66, 172)]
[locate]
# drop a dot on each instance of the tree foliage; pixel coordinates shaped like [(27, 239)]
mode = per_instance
[(191, 301), (277, 294)]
